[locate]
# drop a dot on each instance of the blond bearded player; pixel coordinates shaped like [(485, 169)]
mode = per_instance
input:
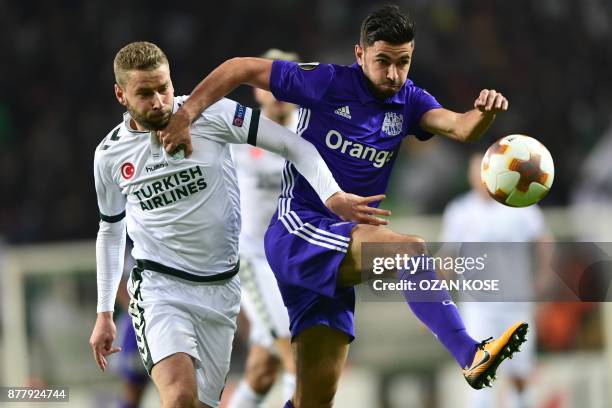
[(183, 215)]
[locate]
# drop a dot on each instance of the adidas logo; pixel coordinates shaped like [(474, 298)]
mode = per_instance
[(344, 112)]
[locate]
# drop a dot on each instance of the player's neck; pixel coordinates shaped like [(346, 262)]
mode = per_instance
[(373, 90), (377, 93), (137, 126)]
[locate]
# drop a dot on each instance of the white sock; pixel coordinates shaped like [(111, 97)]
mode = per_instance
[(245, 397), (288, 386)]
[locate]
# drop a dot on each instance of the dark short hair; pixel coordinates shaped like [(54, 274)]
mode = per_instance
[(387, 24)]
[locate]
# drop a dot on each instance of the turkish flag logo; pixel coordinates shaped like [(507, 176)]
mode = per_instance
[(127, 170)]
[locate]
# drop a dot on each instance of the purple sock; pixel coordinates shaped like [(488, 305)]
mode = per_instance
[(288, 404), (437, 311)]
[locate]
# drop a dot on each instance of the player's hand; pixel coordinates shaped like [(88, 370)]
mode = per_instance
[(491, 101), (351, 207), (176, 134), (102, 338)]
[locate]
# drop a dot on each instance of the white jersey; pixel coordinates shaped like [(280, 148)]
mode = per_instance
[(473, 218), (184, 214), (181, 213), (259, 178)]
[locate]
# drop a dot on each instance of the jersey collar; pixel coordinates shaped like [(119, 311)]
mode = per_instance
[(127, 118), (366, 96)]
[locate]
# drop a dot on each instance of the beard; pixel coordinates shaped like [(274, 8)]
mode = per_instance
[(152, 120), (384, 90)]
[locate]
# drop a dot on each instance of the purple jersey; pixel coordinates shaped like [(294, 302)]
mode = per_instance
[(357, 135)]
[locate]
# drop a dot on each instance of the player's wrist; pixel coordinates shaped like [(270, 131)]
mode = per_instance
[(333, 199), (187, 113), (332, 194), (107, 315)]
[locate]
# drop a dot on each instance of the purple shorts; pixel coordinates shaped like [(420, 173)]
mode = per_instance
[(304, 249)]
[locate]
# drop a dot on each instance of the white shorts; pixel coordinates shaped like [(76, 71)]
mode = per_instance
[(173, 315), (262, 302), (485, 319)]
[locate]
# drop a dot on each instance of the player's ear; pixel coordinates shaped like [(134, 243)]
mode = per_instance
[(120, 95), (359, 54)]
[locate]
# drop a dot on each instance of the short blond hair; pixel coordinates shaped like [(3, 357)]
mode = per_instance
[(140, 55)]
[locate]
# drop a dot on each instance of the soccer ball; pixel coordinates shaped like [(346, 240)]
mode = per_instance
[(517, 170)]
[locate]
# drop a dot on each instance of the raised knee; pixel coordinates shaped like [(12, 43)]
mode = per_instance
[(179, 397), (369, 233), (416, 244)]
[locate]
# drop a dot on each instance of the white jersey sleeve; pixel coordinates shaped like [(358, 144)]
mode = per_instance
[(231, 122), (110, 241), (111, 201), (227, 121), (301, 153)]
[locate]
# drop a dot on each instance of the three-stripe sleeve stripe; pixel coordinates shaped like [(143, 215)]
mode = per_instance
[(304, 121)]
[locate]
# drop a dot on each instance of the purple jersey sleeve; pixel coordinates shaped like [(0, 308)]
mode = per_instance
[(420, 101), (302, 84)]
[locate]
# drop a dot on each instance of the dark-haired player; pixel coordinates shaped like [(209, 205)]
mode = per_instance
[(356, 116)]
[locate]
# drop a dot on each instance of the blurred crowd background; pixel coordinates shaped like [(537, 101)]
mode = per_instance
[(551, 58)]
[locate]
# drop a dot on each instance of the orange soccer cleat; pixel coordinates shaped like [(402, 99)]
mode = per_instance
[(491, 352)]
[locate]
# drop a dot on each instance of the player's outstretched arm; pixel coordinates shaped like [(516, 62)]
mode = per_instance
[(102, 337), (110, 248), (110, 245), (224, 79), (470, 125), (305, 157)]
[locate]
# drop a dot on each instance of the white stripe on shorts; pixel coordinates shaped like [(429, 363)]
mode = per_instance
[(295, 225), (307, 237)]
